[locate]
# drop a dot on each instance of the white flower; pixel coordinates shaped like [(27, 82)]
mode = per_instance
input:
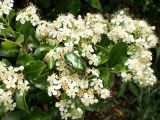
[(88, 99), (139, 67), (13, 81), (10, 83), (97, 84), (72, 92), (83, 84), (94, 59), (1, 91), (6, 100), (55, 85), (6, 6), (23, 86), (28, 14), (123, 74), (105, 93), (94, 71)]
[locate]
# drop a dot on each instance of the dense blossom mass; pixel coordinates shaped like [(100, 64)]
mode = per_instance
[(11, 81), (75, 33), (5, 7), (76, 36), (140, 38), (76, 80), (79, 36)]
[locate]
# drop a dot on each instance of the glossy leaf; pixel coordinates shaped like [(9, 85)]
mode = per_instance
[(50, 63), (96, 107), (37, 114), (8, 53), (43, 97), (74, 6), (42, 50), (95, 4), (2, 111), (105, 74), (54, 113), (34, 69), (21, 102), (117, 54), (133, 88), (25, 59), (122, 89), (17, 115), (40, 82), (104, 59), (6, 62), (7, 44), (6, 33), (101, 48), (20, 39), (11, 15)]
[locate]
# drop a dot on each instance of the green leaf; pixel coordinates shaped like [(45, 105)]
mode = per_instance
[(34, 69), (24, 28), (6, 62), (7, 44), (133, 88), (43, 97), (25, 59), (74, 6), (18, 26), (117, 54), (120, 68), (11, 15), (6, 33), (105, 41), (17, 115), (96, 107), (104, 73), (54, 114), (95, 4), (32, 40), (41, 82), (42, 50), (29, 34), (104, 59), (50, 63), (2, 111), (20, 40), (122, 89), (8, 53), (100, 48), (21, 102), (37, 114)]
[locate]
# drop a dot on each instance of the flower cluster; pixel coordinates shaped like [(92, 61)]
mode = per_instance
[(139, 68), (11, 81), (77, 38), (140, 38), (6, 6), (76, 80), (68, 109), (74, 85), (138, 32), (28, 14), (74, 33)]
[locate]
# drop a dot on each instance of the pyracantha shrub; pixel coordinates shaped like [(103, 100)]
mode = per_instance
[(70, 57)]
